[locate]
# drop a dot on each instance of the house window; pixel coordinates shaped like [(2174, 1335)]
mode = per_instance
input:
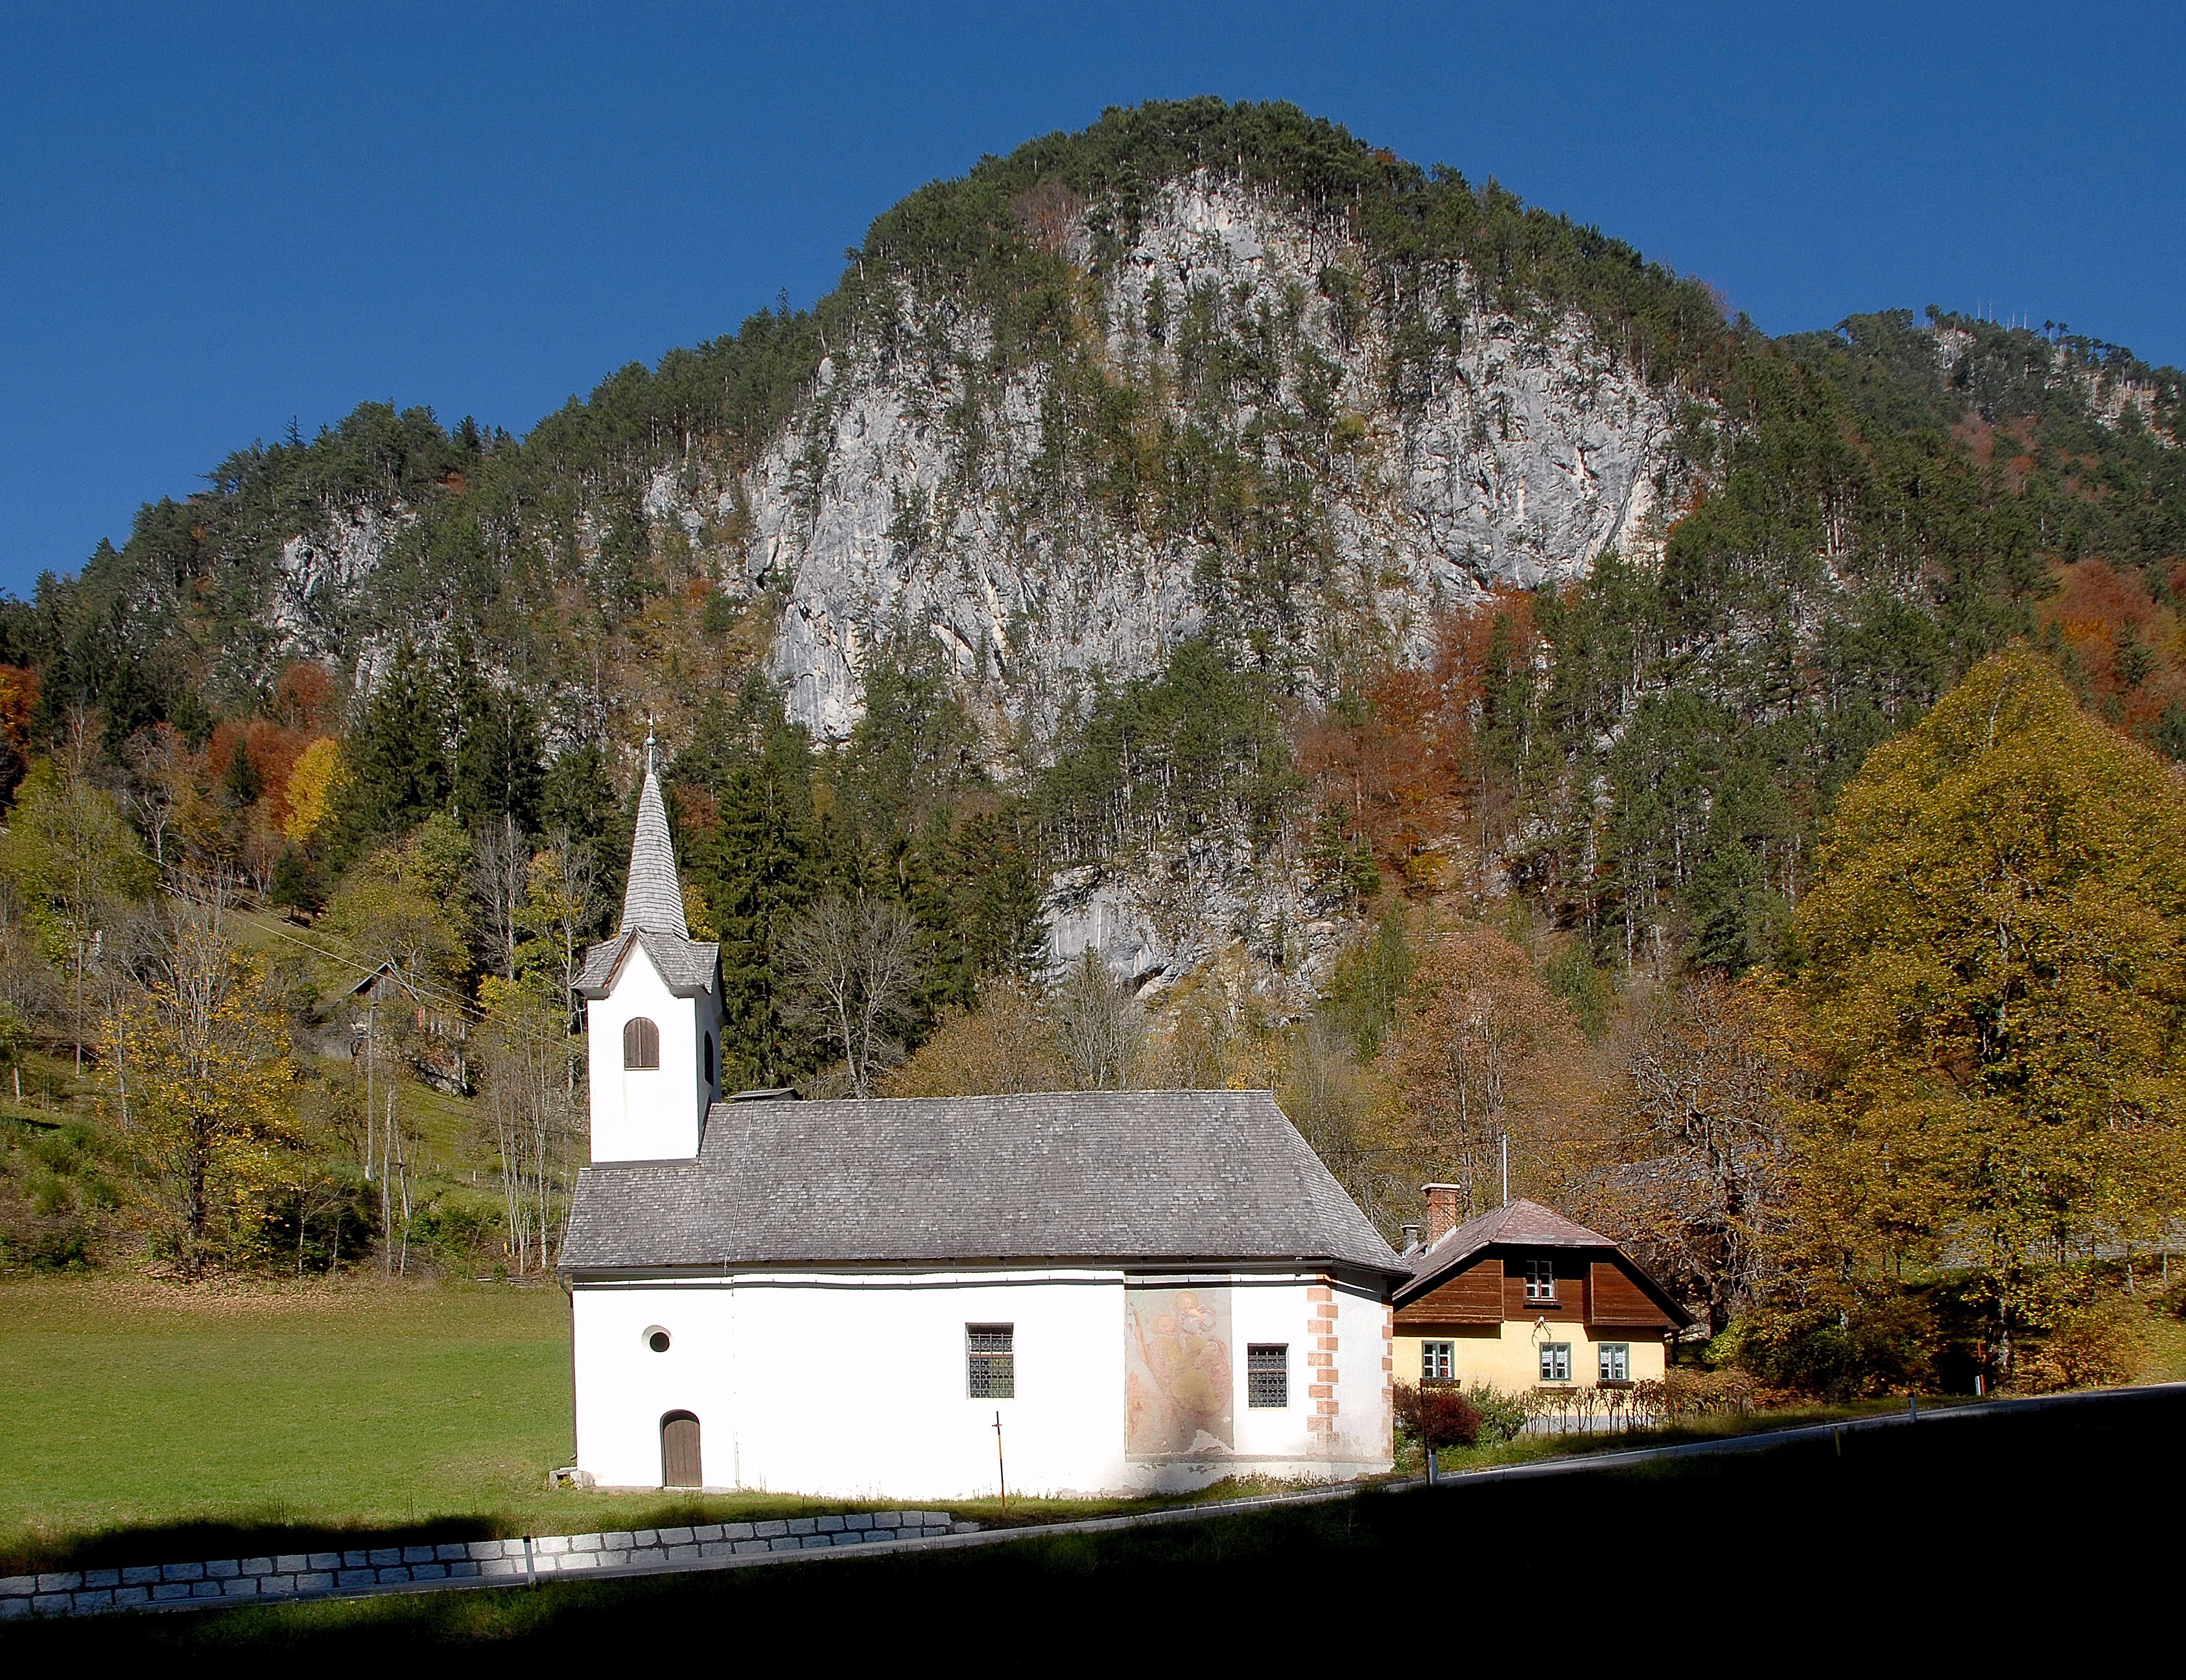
[(1617, 1362), (1541, 1280), (709, 1058), (990, 1362), (1556, 1362), (1268, 1375), (1437, 1362), (641, 1043)]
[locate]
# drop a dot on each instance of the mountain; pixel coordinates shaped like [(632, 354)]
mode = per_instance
[(1246, 520)]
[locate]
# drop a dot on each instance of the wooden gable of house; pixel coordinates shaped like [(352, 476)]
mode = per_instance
[(1473, 1296), (1614, 1296), (1491, 1289)]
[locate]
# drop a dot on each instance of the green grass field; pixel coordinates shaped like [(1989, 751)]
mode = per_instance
[(128, 1406)]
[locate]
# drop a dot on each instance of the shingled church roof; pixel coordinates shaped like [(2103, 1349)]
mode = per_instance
[(652, 908), (686, 965), (1164, 1176), (653, 900)]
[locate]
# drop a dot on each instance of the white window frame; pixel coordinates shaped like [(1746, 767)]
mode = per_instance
[(1556, 1362), (1434, 1354), (1540, 1281)]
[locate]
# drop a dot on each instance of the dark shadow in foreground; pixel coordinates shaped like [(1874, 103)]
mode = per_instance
[(1973, 1536)]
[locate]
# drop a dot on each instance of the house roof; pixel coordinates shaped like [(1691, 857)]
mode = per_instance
[(653, 900), (686, 964), (1517, 1224), (1521, 1224), (1169, 1176)]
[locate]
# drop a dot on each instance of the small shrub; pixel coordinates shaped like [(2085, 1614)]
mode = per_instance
[(1502, 1416), (1683, 1392), (2097, 1346), (457, 1233), (1882, 1345), (1436, 1414)]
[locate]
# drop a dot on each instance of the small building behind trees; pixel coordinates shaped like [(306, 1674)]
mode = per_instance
[(1522, 1297)]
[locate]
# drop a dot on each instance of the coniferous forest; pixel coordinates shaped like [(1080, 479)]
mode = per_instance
[(1800, 891)]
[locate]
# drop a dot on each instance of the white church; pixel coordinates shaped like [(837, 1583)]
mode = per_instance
[(1090, 1292)]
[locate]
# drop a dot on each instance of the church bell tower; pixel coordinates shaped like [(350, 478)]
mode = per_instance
[(653, 1008)]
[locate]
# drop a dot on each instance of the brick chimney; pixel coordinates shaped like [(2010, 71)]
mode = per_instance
[(1445, 1210)]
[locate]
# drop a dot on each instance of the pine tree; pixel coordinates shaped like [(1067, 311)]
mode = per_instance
[(499, 771), (395, 761), (758, 870)]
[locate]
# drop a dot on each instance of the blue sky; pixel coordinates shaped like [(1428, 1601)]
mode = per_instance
[(215, 218)]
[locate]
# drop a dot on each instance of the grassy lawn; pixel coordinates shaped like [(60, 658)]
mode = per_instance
[(128, 1406), (1903, 1542), (2166, 1351)]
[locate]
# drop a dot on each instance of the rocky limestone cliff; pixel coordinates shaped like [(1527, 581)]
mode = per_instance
[(915, 499), (317, 570), (918, 501)]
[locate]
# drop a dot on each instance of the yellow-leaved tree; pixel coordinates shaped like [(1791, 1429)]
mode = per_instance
[(1995, 972), (211, 1092), (310, 789)]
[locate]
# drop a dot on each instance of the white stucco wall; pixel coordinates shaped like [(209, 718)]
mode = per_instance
[(852, 1385), (655, 1114)]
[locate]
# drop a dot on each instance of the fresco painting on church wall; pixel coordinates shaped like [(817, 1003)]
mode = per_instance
[(1177, 1373)]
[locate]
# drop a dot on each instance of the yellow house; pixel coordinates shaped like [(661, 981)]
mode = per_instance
[(1522, 1298)]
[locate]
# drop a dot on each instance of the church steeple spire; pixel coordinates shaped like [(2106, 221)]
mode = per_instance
[(653, 900)]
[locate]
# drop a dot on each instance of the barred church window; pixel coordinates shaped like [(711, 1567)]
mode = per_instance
[(990, 1362), (641, 1043), (1268, 1375)]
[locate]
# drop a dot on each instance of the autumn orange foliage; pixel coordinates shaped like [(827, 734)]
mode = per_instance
[(2130, 653), (1401, 760)]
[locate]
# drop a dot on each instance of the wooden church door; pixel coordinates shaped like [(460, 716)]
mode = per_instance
[(679, 1452)]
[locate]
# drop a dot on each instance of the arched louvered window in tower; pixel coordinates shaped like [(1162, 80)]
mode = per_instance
[(641, 1043)]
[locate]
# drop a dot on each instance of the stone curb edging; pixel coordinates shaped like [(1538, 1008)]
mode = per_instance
[(289, 1576), (298, 1576)]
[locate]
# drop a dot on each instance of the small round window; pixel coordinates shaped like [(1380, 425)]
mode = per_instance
[(657, 1339)]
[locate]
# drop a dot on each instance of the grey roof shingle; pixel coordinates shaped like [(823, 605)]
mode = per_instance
[(654, 898), (1521, 1223), (1099, 1175), (686, 964)]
